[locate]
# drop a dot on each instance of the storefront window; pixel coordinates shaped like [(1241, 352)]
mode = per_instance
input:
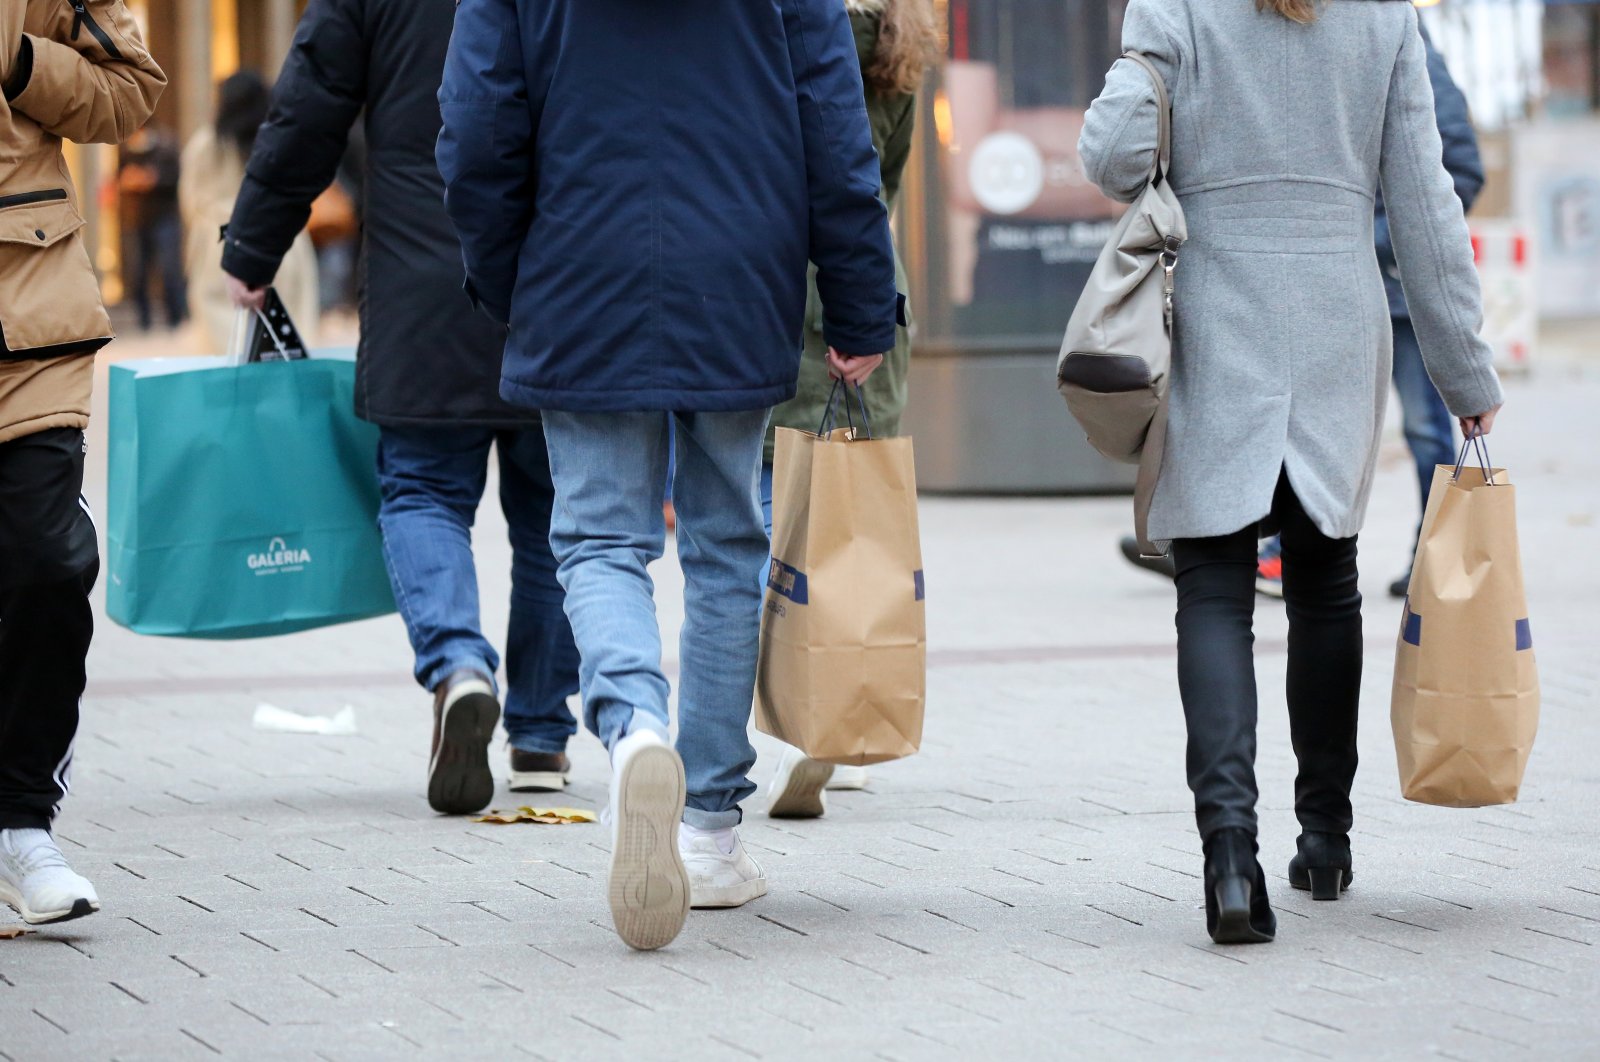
[(1007, 226)]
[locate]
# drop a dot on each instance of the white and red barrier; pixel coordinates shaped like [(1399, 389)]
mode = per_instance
[(1503, 251)]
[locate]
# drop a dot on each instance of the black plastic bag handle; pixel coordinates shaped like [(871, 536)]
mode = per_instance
[(828, 415)]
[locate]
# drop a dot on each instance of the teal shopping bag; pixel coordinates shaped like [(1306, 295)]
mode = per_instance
[(243, 499)]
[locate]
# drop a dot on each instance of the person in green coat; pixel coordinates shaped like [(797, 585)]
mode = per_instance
[(896, 41)]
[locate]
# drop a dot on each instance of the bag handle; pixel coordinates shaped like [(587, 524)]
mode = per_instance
[(239, 352), (1163, 116), (1477, 444), (828, 413)]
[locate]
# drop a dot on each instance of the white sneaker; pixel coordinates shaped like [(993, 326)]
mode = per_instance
[(721, 872), (796, 791), (36, 881), (848, 778), (648, 887)]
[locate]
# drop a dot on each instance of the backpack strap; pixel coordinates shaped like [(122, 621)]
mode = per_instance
[(1163, 115)]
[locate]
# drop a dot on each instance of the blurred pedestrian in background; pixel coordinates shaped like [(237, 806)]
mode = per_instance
[(1429, 429), (1288, 117), (84, 76), (896, 42), (147, 180), (427, 374), (638, 188), (213, 172), (335, 229)]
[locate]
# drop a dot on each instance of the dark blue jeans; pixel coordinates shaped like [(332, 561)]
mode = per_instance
[(1429, 427), (158, 251), (433, 480)]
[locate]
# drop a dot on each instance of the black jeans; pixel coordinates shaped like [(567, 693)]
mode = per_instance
[(48, 564), (1216, 669)]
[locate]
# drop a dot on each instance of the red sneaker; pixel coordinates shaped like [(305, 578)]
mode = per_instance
[(1269, 569)]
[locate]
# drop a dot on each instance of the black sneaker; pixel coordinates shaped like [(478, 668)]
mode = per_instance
[(464, 714), (1401, 586), (539, 772)]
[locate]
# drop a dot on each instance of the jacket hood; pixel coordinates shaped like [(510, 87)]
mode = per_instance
[(865, 7)]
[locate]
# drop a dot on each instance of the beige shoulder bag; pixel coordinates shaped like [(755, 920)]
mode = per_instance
[(1117, 356)]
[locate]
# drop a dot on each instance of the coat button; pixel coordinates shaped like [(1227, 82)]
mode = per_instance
[(39, 233)]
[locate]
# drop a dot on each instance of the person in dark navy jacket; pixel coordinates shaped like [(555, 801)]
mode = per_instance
[(638, 187)]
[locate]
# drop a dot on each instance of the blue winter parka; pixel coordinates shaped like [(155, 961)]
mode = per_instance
[(639, 184)]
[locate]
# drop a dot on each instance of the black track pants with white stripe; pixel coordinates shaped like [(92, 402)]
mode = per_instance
[(48, 564)]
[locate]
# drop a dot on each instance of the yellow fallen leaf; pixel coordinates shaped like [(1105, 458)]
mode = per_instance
[(13, 932), (551, 816)]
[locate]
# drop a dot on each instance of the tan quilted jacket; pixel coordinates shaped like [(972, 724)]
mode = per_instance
[(75, 70)]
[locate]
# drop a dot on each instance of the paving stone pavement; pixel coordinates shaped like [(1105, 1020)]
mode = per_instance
[(1028, 886)]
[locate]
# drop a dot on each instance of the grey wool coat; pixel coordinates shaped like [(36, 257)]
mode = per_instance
[(1282, 134)]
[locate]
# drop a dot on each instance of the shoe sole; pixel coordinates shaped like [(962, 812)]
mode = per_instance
[(537, 782), (82, 907), (459, 779), (729, 895), (1269, 588), (648, 888), (801, 795)]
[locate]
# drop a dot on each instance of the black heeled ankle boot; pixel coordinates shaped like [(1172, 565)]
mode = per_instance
[(1322, 864), (1237, 909)]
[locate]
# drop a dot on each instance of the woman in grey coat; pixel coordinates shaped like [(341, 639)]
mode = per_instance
[(1288, 117)]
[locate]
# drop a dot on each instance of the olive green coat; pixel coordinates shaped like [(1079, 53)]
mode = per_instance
[(893, 120)]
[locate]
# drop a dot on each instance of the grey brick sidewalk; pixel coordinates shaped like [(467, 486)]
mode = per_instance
[(1026, 887)]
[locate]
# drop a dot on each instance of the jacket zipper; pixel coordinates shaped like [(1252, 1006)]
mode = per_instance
[(52, 195), (82, 18)]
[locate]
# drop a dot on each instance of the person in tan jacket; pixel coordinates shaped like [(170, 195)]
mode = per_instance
[(75, 71)]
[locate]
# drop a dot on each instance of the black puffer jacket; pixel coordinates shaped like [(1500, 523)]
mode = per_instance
[(426, 356)]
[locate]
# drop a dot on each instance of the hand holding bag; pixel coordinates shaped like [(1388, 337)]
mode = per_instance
[(1466, 689), (1116, 358)]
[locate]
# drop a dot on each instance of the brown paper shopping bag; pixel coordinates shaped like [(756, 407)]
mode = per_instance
[(842, 674), (1466, 689)]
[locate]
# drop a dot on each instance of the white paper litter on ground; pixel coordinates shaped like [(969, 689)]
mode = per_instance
[(270, 717)]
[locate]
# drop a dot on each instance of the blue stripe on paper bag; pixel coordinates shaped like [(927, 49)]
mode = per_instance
[(922, 585), (789, 582), (1524, 635), (1411, 632)]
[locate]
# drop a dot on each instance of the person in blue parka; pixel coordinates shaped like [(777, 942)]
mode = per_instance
[(638, 187)]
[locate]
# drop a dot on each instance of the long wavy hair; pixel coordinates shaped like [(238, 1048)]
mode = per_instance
[(908, 44), (1301, 11)]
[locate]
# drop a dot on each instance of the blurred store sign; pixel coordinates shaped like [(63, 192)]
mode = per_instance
[(1556, 192), (1504, 253), (1007, 173)]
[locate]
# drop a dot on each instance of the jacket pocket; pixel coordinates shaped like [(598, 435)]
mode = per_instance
[(49, 296)]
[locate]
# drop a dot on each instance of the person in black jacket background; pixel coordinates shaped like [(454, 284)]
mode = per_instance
[(427, 374)]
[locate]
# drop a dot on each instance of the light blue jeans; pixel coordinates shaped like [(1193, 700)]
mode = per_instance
[(1429, 428), (610, 472)]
